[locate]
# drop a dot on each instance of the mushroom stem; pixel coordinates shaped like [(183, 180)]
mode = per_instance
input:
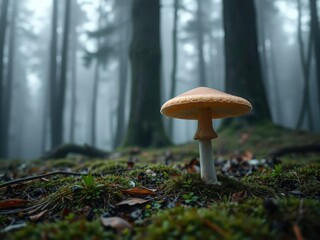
[(208, 171), (205, 130)]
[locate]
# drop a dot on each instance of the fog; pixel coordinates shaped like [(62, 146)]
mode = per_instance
[(29, 128)]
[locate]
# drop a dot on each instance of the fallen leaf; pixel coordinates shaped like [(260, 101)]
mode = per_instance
[(36, 217), (138, 191), (132, 201), (117, 223), (239, 196), (247, 155), (11, 203)]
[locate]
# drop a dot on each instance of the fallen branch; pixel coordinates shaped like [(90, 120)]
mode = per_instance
[(295, 149), (26, 179), (85, 150)]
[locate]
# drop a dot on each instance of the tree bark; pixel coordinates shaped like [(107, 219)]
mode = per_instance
[(53, 74), (174, 61), (3, 26), (243, 70), (145, 126), (316, 33)]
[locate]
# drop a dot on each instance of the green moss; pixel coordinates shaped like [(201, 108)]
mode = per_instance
[(80, 229), (62, 163), (252, 219), (304, 179), (193, 223), (187, 183), (98, 193)]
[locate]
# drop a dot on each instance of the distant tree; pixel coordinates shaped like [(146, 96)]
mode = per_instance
[(145, 124), (174, 59), (53, 75), (123, 16), (3, 26), (73, 61), (61, 93), (315, 29), (95, 88), (265, 13), (306, 64), (242, 63), (197, 29), (10, 72)]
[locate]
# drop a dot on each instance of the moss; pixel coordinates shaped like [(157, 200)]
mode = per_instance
[(95, 192), (304, 179), (187, 183), (252, 219), (193, 223), (80, 229), (62, 163), (263, 137)]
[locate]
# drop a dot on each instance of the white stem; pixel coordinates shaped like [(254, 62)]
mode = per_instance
[(208, 171)]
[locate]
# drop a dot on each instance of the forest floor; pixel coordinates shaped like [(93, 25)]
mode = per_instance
[(158, 193)]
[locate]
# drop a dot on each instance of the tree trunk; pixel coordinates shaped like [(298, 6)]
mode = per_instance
[(145, 125), (200, 44), (305, 63), (243, 70), (123, 73), (53, 74), (10, 73), (174, 61), (63, 76), (316, 33), (94, 103), (274, 71), (73, 72), (3, 26), (262, 35), (95, 87)]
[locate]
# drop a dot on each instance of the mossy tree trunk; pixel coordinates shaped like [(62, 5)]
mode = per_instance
[(243, 70), (145, 125)]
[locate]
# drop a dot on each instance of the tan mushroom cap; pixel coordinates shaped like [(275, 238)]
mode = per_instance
[(222, 105)]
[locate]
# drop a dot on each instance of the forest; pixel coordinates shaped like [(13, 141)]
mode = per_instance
[(156, 119)]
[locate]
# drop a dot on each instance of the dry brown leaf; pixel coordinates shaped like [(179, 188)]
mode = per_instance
[(247, 155), (132, 201), (239, 196), (138, 191), (12, 203), (36, 217), (115, 222)]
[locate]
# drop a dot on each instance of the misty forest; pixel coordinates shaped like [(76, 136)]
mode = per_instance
[(159, 119)]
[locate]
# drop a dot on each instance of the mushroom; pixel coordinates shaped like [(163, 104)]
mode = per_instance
[(204, 104)]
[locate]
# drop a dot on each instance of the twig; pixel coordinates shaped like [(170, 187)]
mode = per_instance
[(26, 179)]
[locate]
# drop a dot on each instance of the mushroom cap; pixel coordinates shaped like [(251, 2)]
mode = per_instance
[(222, 105)]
